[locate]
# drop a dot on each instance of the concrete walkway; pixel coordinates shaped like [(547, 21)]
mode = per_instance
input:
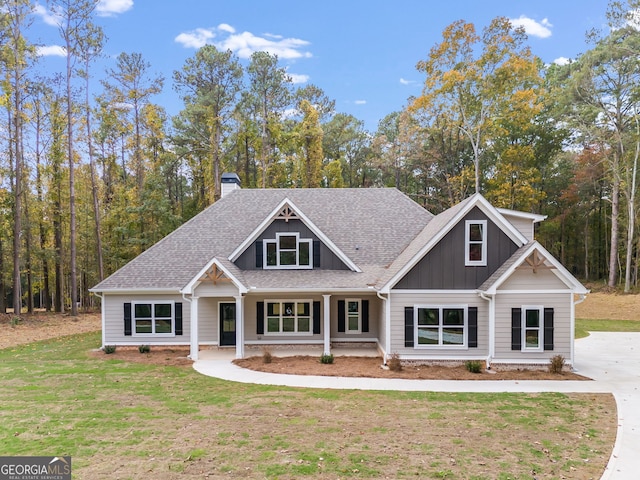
[(611, 359)]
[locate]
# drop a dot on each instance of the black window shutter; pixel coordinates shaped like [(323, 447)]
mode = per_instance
[(259, 249), (316, 318), (365, 316), (408, 326), (548, 328), (178, 307), (127, 319), (472, 316), (516, 329), (316, 254), (341, 316), (260, 318)]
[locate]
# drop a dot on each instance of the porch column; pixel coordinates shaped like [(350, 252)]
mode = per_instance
[(193, 354), (327, 324), (239, 326)]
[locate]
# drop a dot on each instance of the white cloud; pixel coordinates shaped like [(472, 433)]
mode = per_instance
[(298, 78), (47, 16), (562, 61), (51, 51), (197, 38), (246, 43), (404, 81), (226, 28), (360, 102), (110, 8), (532, 27)]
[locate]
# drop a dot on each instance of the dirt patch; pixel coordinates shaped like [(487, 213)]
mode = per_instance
[(371, 367), (613, 306), (174, 356), (42, 326)]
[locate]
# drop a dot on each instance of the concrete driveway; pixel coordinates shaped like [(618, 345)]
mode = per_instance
[(611, 359)]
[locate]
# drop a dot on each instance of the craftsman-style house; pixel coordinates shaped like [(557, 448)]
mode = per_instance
[(328, 267)]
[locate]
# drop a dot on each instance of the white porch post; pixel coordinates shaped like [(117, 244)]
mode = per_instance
[(239, 326), (492, 328), (327, 324), (194, 329)]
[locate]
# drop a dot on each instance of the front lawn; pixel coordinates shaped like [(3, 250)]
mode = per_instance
[(129, 420)]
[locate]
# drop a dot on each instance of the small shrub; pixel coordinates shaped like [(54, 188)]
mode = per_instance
[(474, 366), (266, 356), (326, 358), (556, 364), (394, 362), (108, 349), (144, 348), (15, 321)]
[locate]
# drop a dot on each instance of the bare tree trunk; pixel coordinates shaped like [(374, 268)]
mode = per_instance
[(94, 185), (615, 217)]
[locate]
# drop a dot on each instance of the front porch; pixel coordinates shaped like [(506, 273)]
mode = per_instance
[(229, 353)]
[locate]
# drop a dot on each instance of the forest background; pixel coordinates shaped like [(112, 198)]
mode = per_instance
[(90, 180)]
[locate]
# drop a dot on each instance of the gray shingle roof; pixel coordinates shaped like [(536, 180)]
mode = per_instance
[(381, 223)]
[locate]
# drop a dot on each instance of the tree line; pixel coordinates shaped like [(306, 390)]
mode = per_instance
[(89, 181)]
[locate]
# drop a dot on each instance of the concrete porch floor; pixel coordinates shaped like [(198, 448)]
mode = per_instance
[(228, 353)]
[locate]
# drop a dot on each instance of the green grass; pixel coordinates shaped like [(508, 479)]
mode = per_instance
[(129, 420), (586, 325)]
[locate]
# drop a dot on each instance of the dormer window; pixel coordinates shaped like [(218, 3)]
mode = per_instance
[(475, 243), (288, 250)]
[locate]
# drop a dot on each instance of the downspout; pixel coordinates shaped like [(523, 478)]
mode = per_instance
[(102, 311), (188, 300), (387, 325), (582, 298), (492, 327)]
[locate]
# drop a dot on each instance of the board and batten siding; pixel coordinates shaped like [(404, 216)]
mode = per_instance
[(328, 260), (114, 321), (443, 267), (561, 304), (400, 300)]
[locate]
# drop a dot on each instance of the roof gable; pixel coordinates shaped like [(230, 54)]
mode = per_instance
[(534, 256), (286, 210), (438, 228)]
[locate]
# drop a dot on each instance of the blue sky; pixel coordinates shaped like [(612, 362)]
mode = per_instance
[(361, 53)]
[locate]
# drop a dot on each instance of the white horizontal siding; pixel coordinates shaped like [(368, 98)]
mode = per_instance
[(220, 289), (561, 304), (114, 321), (523, 278), (250, 313), (524, 226), (400, 300)]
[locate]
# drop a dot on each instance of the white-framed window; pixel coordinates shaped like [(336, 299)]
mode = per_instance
[(288, 250), (532, 327), (440, 326), (353, 315), (288, 317), (475, 243), (153, 318)]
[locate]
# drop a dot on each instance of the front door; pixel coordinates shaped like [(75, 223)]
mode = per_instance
[(227, 324)]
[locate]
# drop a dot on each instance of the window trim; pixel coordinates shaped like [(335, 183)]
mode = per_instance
[(440, 345), (281, 302), (153, 333), (346, 316), (540, 328), (468, 242), (276, 242)]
